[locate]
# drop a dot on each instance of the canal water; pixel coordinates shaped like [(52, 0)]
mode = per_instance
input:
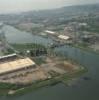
[(14, 35), (80, 90)]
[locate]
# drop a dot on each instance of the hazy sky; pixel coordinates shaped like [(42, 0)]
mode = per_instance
[(7, 6)]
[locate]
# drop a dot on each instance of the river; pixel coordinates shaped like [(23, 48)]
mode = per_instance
[(14, 35), (81, 90)]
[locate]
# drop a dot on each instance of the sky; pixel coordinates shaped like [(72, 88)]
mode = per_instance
[(10, 6)]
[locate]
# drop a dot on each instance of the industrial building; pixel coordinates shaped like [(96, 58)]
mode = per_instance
[(50, 32), (63, 37), (12, 63)]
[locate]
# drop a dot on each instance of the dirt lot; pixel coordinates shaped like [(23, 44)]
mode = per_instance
[(52, 67), (59, 66), (26, 77)]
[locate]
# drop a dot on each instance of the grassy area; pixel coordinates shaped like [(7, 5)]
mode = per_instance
[(35, 86), (5, 87), (1, 53), (8, 51), (27, 46)]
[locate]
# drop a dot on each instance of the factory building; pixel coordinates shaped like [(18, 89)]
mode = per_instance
[(50, 32), (63, 37), (11, 63)]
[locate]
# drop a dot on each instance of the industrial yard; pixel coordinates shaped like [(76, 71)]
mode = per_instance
[(17, 70)]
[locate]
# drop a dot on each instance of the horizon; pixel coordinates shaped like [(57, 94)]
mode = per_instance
[(18, 6), (46, 9)]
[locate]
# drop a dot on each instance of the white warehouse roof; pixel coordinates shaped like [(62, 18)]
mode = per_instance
[(63, 37), (11, 55), (50, 32), (15, 65)]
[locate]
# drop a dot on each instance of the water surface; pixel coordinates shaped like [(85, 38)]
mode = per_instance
[(14, 35)]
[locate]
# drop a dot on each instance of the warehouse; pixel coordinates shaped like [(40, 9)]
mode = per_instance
[(63, 37), (11, 66), (9, 57), (50, 32)]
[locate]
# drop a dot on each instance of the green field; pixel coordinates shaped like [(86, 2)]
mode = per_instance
[(27, 46)]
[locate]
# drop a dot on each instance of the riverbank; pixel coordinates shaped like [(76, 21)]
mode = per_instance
[(30, 49), (86, 48), (59, 79)]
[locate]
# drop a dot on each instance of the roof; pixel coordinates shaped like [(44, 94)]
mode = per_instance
[(63, 37), (15, 65), (7, 56), (50, 32)]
